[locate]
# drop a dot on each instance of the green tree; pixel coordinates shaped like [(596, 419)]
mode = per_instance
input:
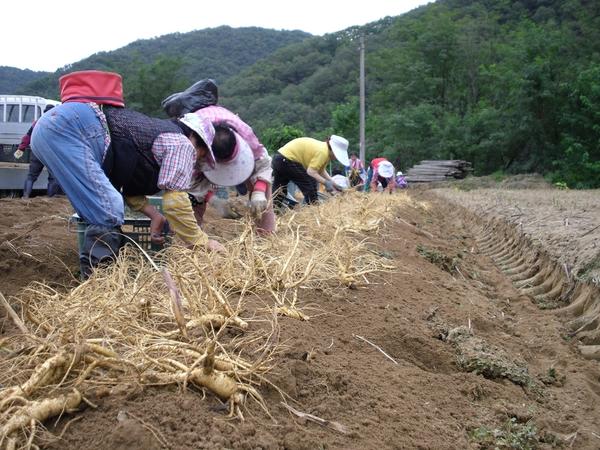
[(276, 137), (579, 164), (153, 82)]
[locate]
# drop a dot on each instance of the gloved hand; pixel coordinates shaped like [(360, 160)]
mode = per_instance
[(258, 203), (19, 154), (330, 187), (223, 208)]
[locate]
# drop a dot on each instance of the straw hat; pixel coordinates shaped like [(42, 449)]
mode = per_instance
[(339, 146), (234, 170)]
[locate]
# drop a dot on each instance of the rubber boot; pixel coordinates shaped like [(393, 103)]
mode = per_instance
[(101, 245), (53, 186), (27, 188)]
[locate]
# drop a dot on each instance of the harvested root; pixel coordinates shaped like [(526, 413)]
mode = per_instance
[(13, 315), (291, 312), (48, 373), (133, 322), (38, 411), (323, 422)]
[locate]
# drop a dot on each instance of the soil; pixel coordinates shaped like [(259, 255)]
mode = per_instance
[(565, 223), (445, 353)]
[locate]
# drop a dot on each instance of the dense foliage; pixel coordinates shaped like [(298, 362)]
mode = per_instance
[(155, 68), (12, 78), (511, 86)]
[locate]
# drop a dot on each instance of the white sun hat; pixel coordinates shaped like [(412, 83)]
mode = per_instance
[(205, 130), (341, 180), (385, 169), (234, 170), (399, 173), (339, 146)]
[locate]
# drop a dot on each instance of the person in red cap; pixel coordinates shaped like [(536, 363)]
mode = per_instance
[(98, 151)]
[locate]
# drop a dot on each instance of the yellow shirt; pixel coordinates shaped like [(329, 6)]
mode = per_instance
[(307, 151)]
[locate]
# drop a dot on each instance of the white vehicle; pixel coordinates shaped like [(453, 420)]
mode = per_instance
[(17, 113)]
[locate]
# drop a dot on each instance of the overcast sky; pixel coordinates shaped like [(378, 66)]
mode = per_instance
[(48, 34)]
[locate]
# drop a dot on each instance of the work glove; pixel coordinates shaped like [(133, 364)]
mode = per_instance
[(19, 154), (258, 203), (223, 208), (329, 186)]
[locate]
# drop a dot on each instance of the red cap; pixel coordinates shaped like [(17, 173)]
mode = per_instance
[(105, 88)]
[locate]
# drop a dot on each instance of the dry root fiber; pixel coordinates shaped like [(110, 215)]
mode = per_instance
[(140, 324)]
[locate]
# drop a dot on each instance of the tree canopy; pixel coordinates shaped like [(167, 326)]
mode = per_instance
[(509, 85)]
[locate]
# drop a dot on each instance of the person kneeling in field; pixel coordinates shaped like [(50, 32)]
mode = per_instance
[(304, 161), (381, 171), (241, 159), (235, 164)]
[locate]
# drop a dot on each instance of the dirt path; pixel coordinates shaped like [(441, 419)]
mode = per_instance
[(423, 393)]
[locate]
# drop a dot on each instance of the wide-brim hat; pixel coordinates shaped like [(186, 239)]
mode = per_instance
[(236, 169), (205, 130), (339, 147), (385, 169)]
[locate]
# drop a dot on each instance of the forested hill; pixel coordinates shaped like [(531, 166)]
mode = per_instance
[(512, 86), (153, 68), (11, 78)]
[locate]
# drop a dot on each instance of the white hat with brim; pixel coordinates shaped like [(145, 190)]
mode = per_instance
[(236, 169), (205, 130), (339, 147), (385, 169), (341, 180)]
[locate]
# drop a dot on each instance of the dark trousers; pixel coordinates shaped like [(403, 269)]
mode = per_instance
[(285, 171), (35, 168)]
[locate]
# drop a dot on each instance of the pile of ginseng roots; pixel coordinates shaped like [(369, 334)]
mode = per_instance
[(190, 317)]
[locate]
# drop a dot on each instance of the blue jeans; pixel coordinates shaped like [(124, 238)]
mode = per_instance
[(69, 140), (367, 187), (35, 169)]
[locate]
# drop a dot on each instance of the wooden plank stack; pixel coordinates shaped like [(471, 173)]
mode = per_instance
[(438, 170)]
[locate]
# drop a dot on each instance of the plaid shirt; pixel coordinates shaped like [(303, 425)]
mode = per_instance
[(176, 157)]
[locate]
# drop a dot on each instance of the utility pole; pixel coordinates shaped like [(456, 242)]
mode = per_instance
[(362, 98)]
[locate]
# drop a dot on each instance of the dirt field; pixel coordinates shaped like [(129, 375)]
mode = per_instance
[(444, 353), (565, 223)]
